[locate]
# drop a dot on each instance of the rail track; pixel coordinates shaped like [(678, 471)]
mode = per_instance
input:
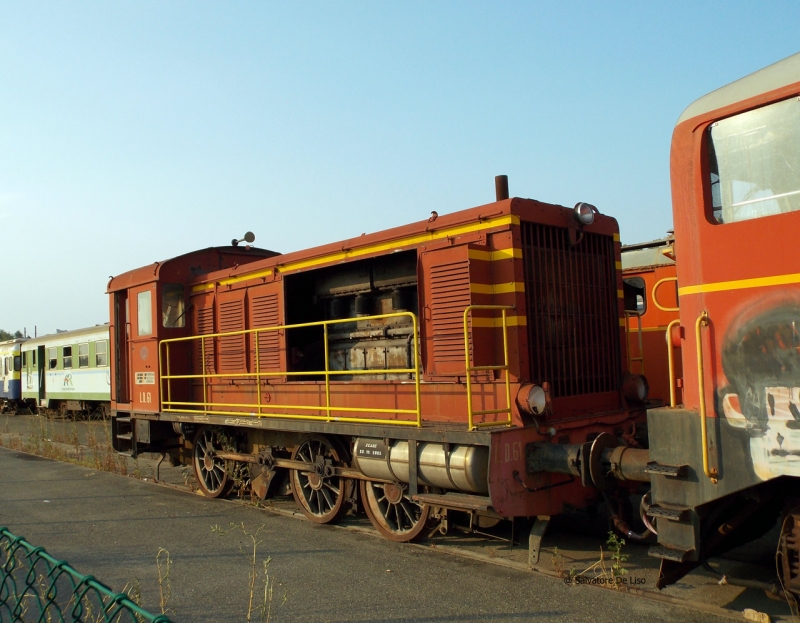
[(574, 548)]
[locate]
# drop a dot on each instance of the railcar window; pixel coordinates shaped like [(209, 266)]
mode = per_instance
[(52, 359), (67, 357), (172, 310), (17, 363), (144, 313), (25, 358), (33, 357), (100, 351), (754, 163), (83, 355)]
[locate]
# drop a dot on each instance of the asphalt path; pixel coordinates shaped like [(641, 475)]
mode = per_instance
[(112, 527)]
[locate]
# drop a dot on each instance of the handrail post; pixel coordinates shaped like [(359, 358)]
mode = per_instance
[(655, 299), (471, 425), (671, 361), (327, 373), (702, 321), (203, 355), (160, 372), (169, 374), (258, 372), (416, 368), (507, 367)]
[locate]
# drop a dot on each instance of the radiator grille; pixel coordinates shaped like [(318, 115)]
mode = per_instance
[(573, 325)]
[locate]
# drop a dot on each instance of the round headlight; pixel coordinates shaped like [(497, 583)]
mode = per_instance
[(635, 388), (532, 398), (584, 213)]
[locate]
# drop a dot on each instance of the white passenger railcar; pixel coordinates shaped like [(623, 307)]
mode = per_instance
[(68, 371)]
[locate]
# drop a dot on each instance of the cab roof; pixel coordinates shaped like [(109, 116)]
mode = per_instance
[(773, 77), (208, 260)]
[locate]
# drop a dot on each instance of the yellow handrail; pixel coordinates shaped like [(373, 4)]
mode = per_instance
[(655, 300), (702, 321), (469, 369), (208, 407), (671, 362), (640, 358)]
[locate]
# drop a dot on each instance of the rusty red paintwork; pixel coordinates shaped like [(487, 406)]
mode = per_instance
[(478, 256)]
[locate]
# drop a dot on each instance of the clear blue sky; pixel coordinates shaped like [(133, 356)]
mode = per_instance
[(131, 132)]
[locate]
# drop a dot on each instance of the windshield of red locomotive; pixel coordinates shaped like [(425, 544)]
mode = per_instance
[(754, 162)]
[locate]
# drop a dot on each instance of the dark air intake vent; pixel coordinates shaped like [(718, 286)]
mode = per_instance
[(573, 325)]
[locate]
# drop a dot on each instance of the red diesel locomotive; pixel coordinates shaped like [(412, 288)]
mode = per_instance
[(418, 362), (478, 361)]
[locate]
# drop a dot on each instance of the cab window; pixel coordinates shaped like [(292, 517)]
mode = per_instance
[(144, 313), (754, 163), (172, 311)]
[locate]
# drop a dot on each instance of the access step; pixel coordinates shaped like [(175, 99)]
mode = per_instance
[(462, 501), (668, 553), (673, 513), (660, 469)]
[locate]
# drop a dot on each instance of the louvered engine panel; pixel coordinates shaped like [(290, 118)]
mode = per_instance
[(449, 297), (571, 296), (265, 312), (204, 325), (446, 274), (231, 347)]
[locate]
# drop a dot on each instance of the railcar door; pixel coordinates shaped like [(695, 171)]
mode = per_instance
[(40, 367), (120, 336), (143, 349)]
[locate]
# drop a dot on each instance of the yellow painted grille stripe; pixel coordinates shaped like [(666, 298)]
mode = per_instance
[(618, 265), (496, 323), (740, 284), (493, 256), (616, 237), (457, 230), (497, 288)]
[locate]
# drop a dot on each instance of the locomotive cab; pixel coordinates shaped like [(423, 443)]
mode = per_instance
[(148, 305)]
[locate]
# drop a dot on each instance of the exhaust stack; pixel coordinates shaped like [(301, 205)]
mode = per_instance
[(501, 187)]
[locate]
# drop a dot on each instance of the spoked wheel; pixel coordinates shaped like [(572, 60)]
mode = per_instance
[(210, 470), (393, 512), (320, 494)]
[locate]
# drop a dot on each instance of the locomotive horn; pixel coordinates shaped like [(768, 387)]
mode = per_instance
[(249, 238)]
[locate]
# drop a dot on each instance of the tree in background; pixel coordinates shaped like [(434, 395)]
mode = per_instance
[(5, 335)]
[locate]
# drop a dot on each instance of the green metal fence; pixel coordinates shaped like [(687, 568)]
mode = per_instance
[(34, 586)]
